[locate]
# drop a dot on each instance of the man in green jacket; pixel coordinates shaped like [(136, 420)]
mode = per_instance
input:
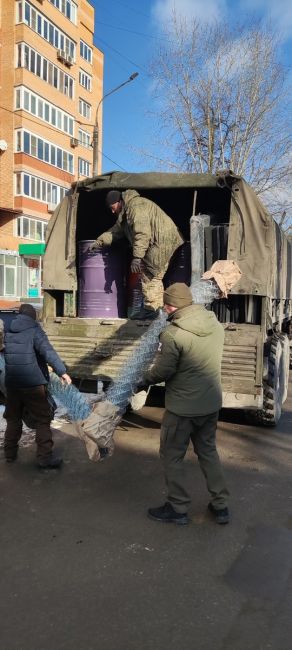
[(189, 361), (153, 236)]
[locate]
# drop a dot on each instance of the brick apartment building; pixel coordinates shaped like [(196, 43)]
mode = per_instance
[(51, 78)]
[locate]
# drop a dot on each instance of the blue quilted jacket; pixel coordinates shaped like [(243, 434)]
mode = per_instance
[(27, 352)]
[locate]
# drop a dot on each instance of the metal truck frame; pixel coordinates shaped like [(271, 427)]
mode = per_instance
[(256, 316)]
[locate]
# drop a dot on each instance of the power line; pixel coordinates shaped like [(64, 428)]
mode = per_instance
[(39, 120), (124, 29), (123, 56), (114, 163), (8, 110)]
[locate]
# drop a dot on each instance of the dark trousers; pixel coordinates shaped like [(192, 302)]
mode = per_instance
[(35, 401), (176, 433)]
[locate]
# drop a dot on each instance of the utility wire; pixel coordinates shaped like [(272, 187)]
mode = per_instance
[(123, 56), (114, 163), (58, 131), (130, 31), (39, 120)]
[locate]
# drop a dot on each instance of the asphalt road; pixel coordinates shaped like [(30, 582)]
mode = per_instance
[(82, 568)]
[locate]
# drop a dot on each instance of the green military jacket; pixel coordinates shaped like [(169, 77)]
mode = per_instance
[(189, 362), (152, 234)]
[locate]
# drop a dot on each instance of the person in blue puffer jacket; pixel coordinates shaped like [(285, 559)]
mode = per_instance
[(27, 352)]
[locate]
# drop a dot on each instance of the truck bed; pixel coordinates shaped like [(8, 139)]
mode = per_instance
[(95, 349)]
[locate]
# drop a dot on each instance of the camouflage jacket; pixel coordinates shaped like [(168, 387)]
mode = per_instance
[(152, 234)]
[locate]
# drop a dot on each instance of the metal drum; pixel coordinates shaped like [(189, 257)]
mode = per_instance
[(101, 283), (179, 269)]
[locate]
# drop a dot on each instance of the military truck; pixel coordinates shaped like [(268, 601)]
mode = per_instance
[(256, 315)]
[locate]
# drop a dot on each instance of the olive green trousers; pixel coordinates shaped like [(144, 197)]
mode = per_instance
[(152, 288), (176, 434)]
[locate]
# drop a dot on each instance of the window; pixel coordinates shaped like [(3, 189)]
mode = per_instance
[(33, 145), (85, 52), (40, 189), (47, 113), (28, 228), (83, 167), (31, 229), (33, 105), (47, 30), (8, 275), (17, 98), (25, 232), (40, 231), (10, 281), (67, 7), (40, 108), (38, 65), (84, 109), (35, 63), (85, 80), (47, 152), (18, 141), (32, 61), (26, 188), (43, 150), (26, 141), (45, 70), (26, 101), (18, 184), (84, 138)]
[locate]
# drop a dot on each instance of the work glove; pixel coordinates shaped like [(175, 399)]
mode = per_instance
[(136, 266), (95, 246)]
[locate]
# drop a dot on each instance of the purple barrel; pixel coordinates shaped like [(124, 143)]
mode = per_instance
[(179, 269), (102, 291)]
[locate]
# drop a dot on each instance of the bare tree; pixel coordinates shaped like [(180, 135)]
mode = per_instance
[(220, 98)]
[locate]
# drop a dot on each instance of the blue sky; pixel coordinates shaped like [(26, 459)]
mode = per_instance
[(127, 31)]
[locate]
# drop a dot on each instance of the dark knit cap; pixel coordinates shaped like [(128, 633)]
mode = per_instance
[(112, 197), (27, 310), (178, 295)]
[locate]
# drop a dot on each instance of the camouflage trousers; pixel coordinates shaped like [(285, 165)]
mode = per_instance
[(152, 288)]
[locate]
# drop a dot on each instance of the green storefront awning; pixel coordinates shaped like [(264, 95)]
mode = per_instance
[(31, 249)]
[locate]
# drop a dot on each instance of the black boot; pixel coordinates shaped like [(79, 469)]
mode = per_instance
[(167, 514), (52, 462), (221, 515)]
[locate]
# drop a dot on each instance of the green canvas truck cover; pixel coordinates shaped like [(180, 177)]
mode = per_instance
[(255, 240)]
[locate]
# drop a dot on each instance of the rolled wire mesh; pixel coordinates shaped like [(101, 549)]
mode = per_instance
[(203, 291), (120, 391), (77, 406)]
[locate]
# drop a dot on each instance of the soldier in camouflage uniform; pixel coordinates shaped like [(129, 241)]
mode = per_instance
[(153, 236)]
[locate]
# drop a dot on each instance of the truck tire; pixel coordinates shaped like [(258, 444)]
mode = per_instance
[(275, 386), (286, 364)]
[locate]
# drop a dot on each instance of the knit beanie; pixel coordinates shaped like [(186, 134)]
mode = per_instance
[(114, 196), (27, 310), (178, 295)]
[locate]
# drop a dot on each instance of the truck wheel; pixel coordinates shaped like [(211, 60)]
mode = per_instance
[(276, 385), (286, 364)]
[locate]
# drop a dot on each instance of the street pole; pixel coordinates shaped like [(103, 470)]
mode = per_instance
[(95, 138)]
